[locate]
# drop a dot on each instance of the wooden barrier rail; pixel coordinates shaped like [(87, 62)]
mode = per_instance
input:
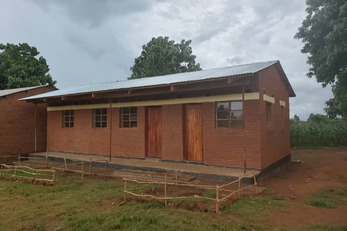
[(25, 172), (218, 190), (67, 166)]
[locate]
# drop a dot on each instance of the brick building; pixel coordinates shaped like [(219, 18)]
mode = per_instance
[(22, 125), (235, 116)]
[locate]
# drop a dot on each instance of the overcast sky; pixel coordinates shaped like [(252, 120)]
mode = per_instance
[(91, 41)]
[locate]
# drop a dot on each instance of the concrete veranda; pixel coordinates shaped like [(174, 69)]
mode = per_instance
[(154, 165)]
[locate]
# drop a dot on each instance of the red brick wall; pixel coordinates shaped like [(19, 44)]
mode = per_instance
[(129, 142), (222, 146), (82, 138), (172, 132), (275, 143), (225, 146), (17, 123)]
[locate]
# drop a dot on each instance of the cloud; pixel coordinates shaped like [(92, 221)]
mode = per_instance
[(94, 13), (88, 41)]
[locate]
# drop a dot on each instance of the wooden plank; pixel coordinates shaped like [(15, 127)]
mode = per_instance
[(154, 133), (194, 132)]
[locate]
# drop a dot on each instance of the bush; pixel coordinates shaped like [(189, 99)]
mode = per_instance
[(318, 131)]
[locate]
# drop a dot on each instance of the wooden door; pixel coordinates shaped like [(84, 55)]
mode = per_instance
[(154, 138), (193, 130)]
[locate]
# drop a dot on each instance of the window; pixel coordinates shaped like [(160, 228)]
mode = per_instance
[(229, 114), (68, 119), (100, 118), (268, 114), (128, 117)]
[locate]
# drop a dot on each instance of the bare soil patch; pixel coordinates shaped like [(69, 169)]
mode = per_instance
[(318, 169)]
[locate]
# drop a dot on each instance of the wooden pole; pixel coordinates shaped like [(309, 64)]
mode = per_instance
[(245, 131), (105, 168), (65, 163), (53, 178), (176, 175), (217, 199), (35, 131), (19, 159), (82, 170), (165, 190), (152, 182), (239, 186), (244, 152), (46, 160), (15, 173), (110, 129), (255, 183), (125, 190), (90, 166)]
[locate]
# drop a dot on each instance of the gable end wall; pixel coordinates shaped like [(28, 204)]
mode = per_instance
[(275, 140)]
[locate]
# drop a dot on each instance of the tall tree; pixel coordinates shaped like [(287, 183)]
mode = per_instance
[(325, 40), (162, 56), (20, 67)]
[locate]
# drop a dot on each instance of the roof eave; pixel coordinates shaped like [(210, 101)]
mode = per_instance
[(285, 78), (135, 88)]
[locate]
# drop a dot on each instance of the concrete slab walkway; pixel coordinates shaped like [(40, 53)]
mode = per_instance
[(119, 163)]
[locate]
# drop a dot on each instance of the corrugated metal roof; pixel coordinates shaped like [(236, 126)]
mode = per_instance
[(159, 80), (16, 90)]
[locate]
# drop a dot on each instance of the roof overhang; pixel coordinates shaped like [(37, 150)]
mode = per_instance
[(187, 86)]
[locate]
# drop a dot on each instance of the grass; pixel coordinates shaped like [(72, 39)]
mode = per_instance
[(328, 198), (92, 204), (253, 209), (325, 228)]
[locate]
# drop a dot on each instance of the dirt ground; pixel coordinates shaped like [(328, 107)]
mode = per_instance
[(315, 170)]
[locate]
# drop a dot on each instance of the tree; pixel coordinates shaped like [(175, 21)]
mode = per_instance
[(162, 56), (20, 67), (318, 119), (325, 40)]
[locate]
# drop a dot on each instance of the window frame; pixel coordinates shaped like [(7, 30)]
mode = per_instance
[(100, 118), (68, 118), (231, 121), (128, 117)]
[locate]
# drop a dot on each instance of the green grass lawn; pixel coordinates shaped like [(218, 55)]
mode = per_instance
[(92, 204)]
